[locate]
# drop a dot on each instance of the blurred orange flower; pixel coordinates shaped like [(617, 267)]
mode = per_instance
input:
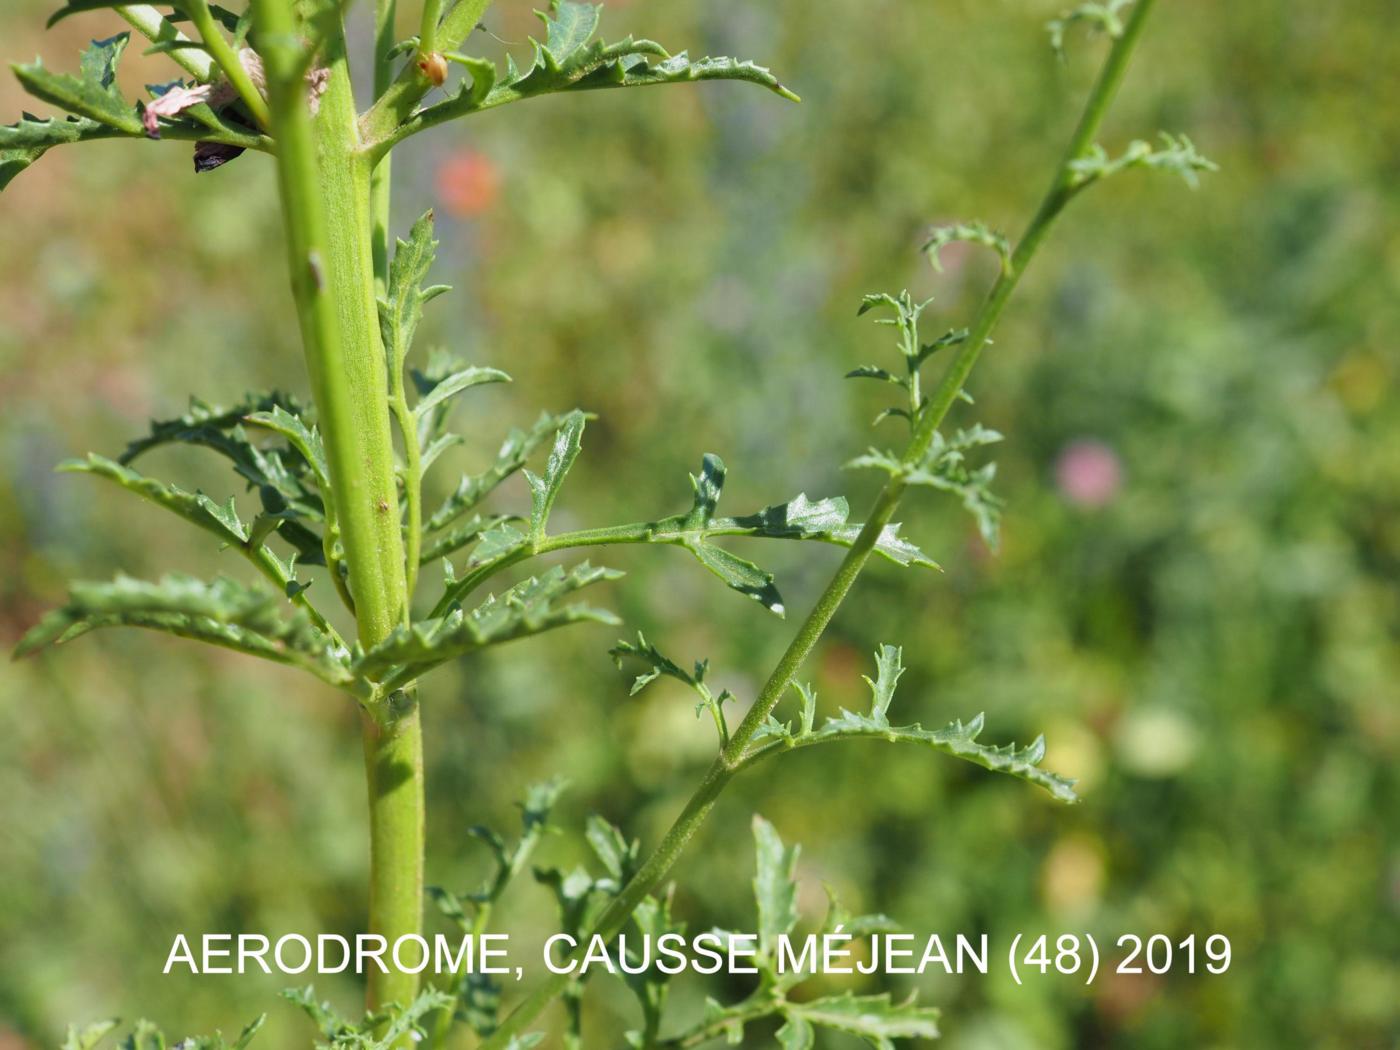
[(468, 183)]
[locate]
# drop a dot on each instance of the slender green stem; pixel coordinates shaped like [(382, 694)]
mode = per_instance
[(732, 757), (413, 471), (335, 561), (222, 133), (716, 712), (652, 872), (156, 28), (385, 15), (397, 103), (762, 1003), (222, 53), (441, 1028), (380, 199), (1062, 190), (380, 195), (322, 173), (427, 33), (667, 531)]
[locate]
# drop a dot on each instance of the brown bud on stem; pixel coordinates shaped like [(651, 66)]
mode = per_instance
[(433, 66)]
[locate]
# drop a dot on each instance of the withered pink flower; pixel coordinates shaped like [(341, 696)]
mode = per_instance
[(172, 104), (1088, 473), (210, 155)]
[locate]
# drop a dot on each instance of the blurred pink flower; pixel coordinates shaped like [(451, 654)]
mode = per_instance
[(1088, 473)]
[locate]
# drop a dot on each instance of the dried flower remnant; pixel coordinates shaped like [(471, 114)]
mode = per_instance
[(171, 102), (174, 99)]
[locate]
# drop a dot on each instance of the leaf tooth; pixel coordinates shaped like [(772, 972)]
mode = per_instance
[(1035, 753)]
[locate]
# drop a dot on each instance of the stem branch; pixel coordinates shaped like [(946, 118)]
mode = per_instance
[(397, 103), (156, 28), (732, 757)]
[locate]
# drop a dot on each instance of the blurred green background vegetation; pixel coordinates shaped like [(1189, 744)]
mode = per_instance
[(1208, 640)]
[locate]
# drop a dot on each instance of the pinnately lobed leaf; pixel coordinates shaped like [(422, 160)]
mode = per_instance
[(146, 1036), (800, 519), (198, 509), (89, 1036), (454, 384), (570, 59), (967, 233), (92, 96), (659, 664), (945, 467), (527, 608), (401, 308), (957, 738), (1177, 154), (774, 884), (876, 1019), (75, 7), (93, 92), (379, 1030), (568, 441), (1101, 15), (694, 530), (301, 436), (512, 456), (223, 613)]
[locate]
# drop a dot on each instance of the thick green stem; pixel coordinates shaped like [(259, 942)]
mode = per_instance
[(394, 771), (325, 186), (732, 756)]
